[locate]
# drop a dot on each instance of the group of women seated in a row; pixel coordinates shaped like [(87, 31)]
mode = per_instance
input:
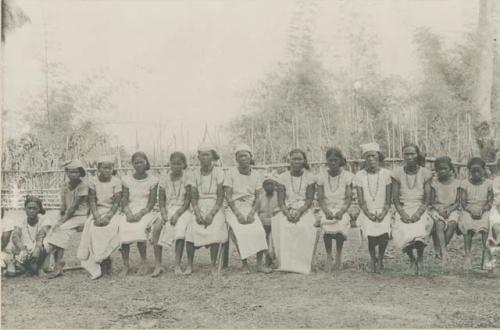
[(269, 216)]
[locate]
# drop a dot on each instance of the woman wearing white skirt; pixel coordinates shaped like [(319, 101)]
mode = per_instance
[(373, 187), (139, 190), (493, 243), (208, 227), (412, 194), (295, 234), (335, 195), (242, 188), (100, 233), (174, 199)]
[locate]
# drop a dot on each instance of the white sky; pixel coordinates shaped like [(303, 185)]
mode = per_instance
[(187, 63)]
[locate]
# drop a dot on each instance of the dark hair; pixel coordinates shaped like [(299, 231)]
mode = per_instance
[(143, 156), (302, 152), (420, 157), (112, 173), (179, 155), (81, 170), (445, 160), (33, 199), (476, 161), (337, 153)]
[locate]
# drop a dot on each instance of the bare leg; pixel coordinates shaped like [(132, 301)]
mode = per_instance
[(383, 241), (59, 264), (441, 236), (143, 268), (436, 239), (214, 251), (125, 251), (484, 238), (179, 249), (450, 231), (413, 264), (327, 238), (467, 247), (339, 239), (190, 258), (244, 267), (372, 243), (158, 250), (225, 255), (420, 257)]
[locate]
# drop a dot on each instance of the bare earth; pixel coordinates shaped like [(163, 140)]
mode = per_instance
[(350, 298)]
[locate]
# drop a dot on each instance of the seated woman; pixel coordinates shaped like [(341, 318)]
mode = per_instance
[(242, 187), (335, 195), (139, 199), (26, 250), (294, 233), (412, 193), (209, 227), (74, 213), (100, 234), (174, 199), (477, 200)]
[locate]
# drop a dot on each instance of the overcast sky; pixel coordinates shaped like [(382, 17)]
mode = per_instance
[(187, 63)]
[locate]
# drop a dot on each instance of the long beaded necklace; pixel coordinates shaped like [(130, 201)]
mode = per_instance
[(293, 186), (337, 185), (201, 183), (32, 239), (177, 192), (410, 187), (373, 195)]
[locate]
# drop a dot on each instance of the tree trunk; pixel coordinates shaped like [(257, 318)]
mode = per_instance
[(484, 130)]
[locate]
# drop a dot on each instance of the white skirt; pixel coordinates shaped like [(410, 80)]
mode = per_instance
[(131, 232), (335, 226), (170, 233), (494, 220), (466, 223), (98, 243), (213, 234), (295, 243), (63, 235), (405, 234), (250, 238), (375, 229)]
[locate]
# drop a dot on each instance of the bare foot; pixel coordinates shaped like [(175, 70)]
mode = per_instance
[(329, 264), (380, 264), (177, 270), (157, 271), (373, 266), (245, 269), (58, 271), (125, 271), (264, 269), (214, 271), (420, 267), (413, 267), (188, 271), (143, 270), (338, 264), (468, 263)]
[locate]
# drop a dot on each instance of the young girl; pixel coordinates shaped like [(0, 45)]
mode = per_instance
[(477, 200), (26, 249), (294, 233), (100, 234), (493, 242), (412, 193), (74, 213), (373, 189), (445, 203), (174, 199), (139, 199), (267, 208), (335, 195), (209, 226), (242, 188)]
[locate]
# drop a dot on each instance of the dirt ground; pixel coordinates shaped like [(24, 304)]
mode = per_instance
[(350, 298)]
